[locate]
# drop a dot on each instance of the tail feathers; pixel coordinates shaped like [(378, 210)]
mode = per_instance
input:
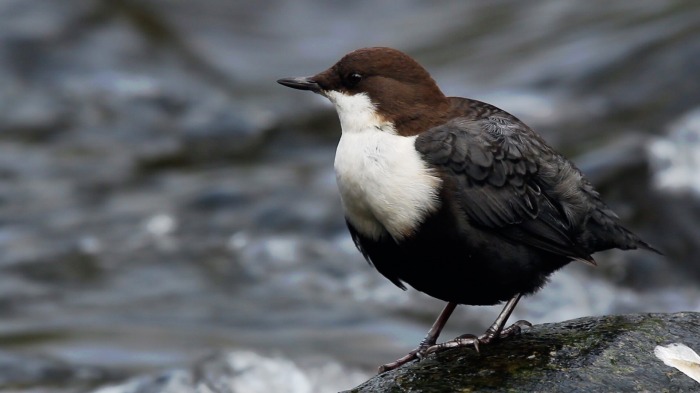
[(644, 245), (615, 236), (632, 242)]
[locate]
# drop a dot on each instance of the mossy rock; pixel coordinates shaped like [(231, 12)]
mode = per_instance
[(592, 354)]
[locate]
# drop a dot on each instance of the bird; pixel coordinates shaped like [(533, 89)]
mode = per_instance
[(452, 196)]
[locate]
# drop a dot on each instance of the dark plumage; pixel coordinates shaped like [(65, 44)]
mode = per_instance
[(509, 211), (513, 211)]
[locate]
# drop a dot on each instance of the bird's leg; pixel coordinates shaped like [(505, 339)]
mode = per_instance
[(496, 330), (427, 342), (493, 333)]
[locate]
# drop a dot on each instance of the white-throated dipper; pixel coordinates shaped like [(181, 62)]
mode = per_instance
[(452, 196)]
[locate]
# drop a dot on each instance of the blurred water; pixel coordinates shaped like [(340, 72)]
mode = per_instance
[(162, 198)]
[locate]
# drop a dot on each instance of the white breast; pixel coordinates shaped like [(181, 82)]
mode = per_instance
[(384, 185)]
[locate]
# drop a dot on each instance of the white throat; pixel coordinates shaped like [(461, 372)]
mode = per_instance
[(357, 113), (385, 186)]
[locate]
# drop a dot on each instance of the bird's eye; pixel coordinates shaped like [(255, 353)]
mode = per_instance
[(353, 79)]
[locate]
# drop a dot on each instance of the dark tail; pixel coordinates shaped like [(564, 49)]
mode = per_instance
[(630, 241), (645, 246)]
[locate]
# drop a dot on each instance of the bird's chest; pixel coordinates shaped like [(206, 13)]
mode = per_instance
[(384, 184)]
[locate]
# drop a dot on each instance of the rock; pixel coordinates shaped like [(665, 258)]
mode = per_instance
[(592, 354)]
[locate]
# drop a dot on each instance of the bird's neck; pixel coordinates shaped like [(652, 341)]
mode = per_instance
[(415, 117)]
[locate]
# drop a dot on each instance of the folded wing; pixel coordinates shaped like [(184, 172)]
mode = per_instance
[(501, 174)]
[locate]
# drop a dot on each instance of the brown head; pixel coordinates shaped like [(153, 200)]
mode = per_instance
[(401, 90)]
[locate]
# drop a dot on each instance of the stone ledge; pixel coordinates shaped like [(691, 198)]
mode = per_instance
[(592, 354)]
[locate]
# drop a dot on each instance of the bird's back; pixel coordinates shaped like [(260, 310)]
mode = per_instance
[(592, 225)]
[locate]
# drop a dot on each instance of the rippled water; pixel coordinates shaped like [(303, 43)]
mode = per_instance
[(162, 198)]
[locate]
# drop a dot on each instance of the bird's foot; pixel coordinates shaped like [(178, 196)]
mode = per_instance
[(465, 340), (429, 340), (492, 335), (470, 340)]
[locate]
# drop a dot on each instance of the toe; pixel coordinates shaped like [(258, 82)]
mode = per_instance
[(523, 323), (515, 329)]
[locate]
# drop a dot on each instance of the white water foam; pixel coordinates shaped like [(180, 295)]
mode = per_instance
[(675, 158)]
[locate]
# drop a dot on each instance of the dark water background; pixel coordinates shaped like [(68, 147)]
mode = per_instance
[(162, 198)]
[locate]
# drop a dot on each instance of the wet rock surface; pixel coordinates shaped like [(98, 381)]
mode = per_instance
[(592, 354)]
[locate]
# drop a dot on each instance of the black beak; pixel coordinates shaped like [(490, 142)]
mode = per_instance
[(301, 83)]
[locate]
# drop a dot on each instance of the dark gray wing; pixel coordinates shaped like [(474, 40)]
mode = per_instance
[(503, 176)]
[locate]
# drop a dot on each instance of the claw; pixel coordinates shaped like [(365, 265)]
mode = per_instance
[(474, 340)]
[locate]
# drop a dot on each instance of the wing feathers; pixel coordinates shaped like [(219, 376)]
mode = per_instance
[(498, 181)]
